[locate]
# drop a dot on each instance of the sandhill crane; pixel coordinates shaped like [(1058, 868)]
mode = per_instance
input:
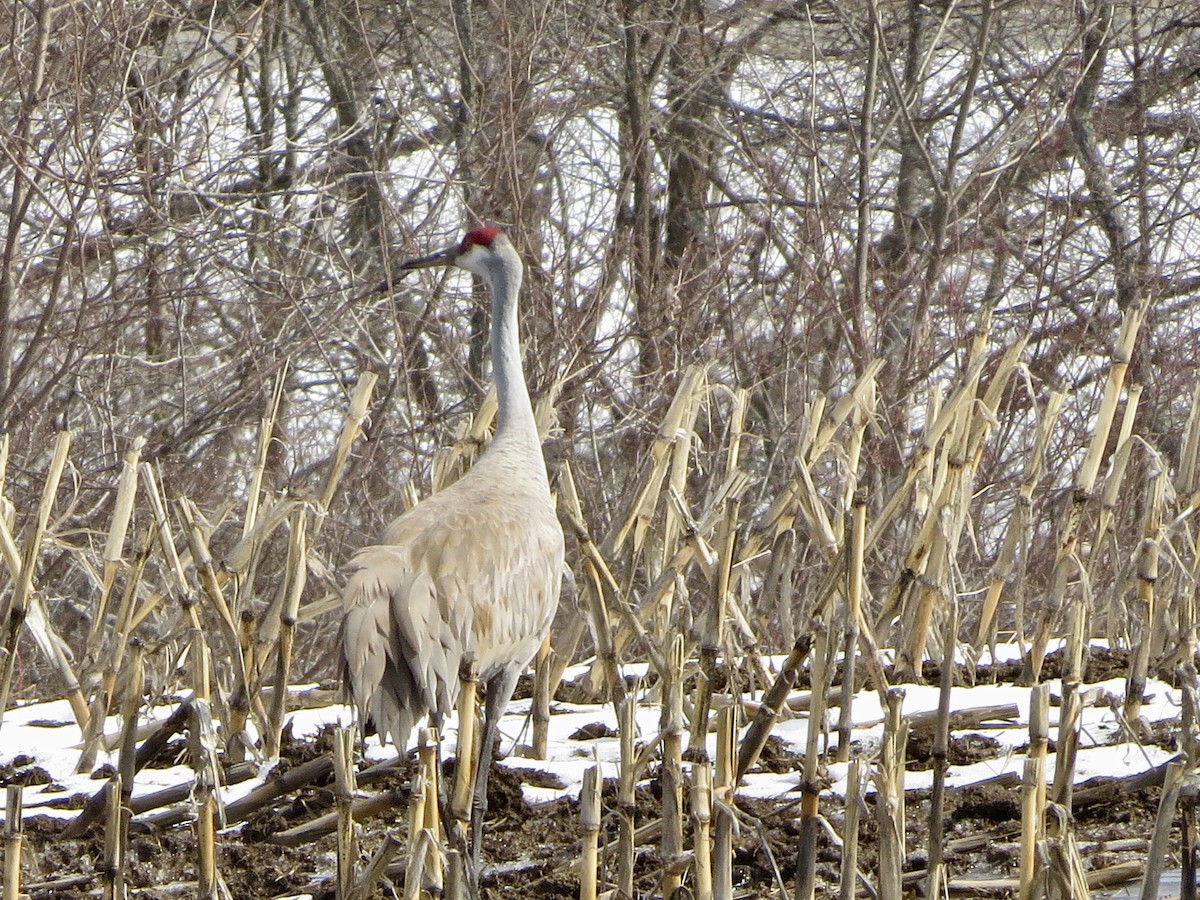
[(469, 574)]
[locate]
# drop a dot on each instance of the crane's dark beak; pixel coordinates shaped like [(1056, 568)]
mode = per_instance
[(441, 258)]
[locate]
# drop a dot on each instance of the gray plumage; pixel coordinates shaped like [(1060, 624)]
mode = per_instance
[(468, 570), (472, 572)]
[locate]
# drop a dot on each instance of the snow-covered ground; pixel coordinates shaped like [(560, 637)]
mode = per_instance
[(45, 735)]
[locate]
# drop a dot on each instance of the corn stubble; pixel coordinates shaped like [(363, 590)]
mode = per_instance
[(697, 576)]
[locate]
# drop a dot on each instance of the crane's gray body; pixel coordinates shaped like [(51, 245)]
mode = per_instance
[(471, 573)]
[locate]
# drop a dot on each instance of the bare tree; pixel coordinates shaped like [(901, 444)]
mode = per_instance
[(200, 204)]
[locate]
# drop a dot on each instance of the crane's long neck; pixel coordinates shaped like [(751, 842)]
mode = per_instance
[(515, 421)]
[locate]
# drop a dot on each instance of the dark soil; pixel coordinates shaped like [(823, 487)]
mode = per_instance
[(962, 750)]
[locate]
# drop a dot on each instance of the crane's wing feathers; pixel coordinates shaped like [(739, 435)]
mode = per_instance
[(471, 573), (499, 555), (401, 645)]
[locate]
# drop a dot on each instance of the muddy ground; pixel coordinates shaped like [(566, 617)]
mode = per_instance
[(533, 851)]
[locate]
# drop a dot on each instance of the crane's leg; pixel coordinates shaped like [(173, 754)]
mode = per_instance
[(464, 778), (436, 720), (499, 692)]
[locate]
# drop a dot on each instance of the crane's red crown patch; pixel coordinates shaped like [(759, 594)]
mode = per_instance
[(481, 237)]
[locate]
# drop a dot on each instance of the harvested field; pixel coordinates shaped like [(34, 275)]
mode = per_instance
[(534, 835), (852, 347)]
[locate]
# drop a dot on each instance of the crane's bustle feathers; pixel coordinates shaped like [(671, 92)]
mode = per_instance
[(397, 646)]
